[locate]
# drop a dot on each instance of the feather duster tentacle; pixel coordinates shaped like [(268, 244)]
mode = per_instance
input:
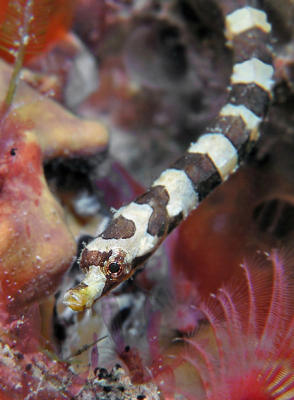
[(251, 355), (21, 42), (27, 27)]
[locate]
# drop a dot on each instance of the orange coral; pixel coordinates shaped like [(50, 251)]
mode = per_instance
[(36, 246), (59, 132)]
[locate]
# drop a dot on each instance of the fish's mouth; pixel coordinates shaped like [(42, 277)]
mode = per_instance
[(87, 292)]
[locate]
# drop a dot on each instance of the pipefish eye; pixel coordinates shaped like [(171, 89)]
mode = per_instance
[(114, 269)]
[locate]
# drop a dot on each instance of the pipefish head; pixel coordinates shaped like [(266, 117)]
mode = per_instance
[(103, 270)]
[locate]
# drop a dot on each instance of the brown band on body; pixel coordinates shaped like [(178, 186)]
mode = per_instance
[(252, 43), (234, 129), (119, 228), (93, 257), (175, 221), (251, 96), (157, 198), (201, 171)]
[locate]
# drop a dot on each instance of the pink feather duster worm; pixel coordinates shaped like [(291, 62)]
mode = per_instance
[(248, 353)]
